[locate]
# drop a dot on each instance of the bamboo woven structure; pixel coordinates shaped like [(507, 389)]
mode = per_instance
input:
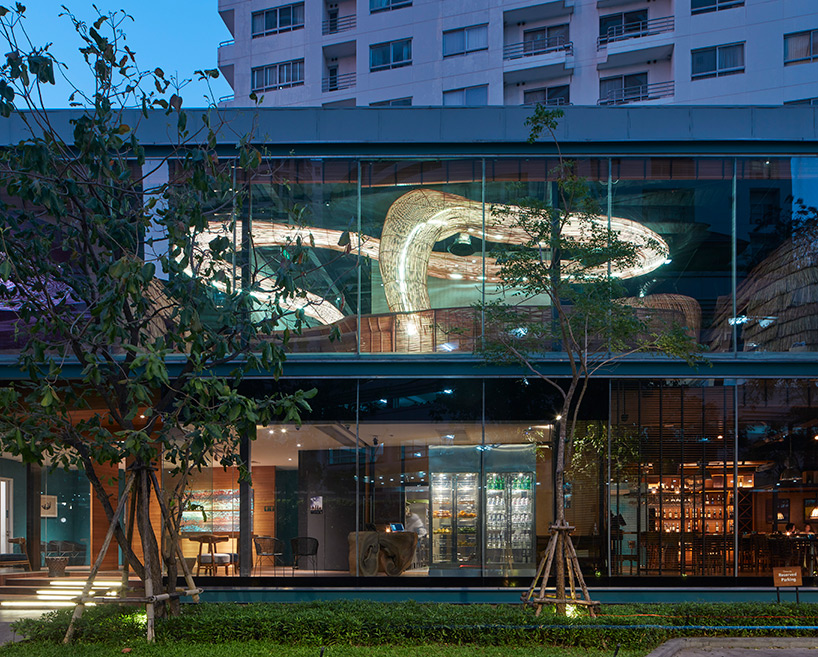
[(777, 304)]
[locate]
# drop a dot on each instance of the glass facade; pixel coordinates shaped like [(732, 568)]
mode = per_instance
[(404, 249), (453, 477)]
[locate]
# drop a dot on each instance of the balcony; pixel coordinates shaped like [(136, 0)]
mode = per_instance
[(639, 93), (338, 82), (337, 25), (538, 47), (636, 30)]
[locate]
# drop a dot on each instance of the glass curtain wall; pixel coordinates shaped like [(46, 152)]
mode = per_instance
[(404, 249), (403, 477), (776, 257)]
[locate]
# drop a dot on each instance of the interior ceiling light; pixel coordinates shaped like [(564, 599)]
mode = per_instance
[(789, 473), (462, 246)]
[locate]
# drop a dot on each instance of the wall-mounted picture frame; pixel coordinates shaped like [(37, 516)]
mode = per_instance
[(811, 510), (48, 506)]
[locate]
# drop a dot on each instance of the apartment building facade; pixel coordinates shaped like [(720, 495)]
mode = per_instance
[(512, 52)]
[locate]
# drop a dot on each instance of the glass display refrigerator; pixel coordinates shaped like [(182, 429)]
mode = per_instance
[(483, 510), (510, 529), (455, 517)]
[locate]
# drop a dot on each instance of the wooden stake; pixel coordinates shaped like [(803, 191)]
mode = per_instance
[(126, 570), (149, 607), (147, 482), (191, 585), (98, 563), (537, 594)]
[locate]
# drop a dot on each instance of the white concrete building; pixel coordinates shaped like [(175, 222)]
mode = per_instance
[(511, 52)]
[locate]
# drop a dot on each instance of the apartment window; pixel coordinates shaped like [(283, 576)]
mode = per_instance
[(618, 25), (704, 6), (621, 89), (466, 39), (394, 102), (386, 5), (393, 54), (279, 19), (557, 95), (765, 206), (801, 47), (544, 39), (478, 95), (717, 61), (278, 76)]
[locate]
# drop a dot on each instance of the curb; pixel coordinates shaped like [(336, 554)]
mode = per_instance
[(677, 646)]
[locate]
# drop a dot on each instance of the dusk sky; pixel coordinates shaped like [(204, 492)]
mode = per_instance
[(180, 36)]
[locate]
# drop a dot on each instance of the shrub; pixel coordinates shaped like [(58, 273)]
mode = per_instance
[(365, 623)]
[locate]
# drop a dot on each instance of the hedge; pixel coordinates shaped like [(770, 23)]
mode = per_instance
[(362, 623)]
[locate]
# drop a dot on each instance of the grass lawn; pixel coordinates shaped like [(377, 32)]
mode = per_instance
[(268, 649)]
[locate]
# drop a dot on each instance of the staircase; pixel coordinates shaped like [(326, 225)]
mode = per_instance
[(24, 590)]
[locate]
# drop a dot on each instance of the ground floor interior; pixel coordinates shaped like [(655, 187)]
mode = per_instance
[(453, 478)]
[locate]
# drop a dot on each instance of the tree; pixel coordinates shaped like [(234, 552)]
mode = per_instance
[(572, 256), (141, 285)]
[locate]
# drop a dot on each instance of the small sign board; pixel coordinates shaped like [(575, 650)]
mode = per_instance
[(787, 576)]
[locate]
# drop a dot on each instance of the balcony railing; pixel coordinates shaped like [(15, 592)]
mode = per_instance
[(638, 93), (549, 102), (635, 30), (338, 82), (538, 47), (229, 42), (340, 24)]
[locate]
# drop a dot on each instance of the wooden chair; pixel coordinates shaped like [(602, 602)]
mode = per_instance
[(305, 547), (630, 557), (15, 560), (211, 560), (270, 548)]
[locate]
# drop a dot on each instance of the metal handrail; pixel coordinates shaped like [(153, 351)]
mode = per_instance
[(338, 82), (636, 30), (638, 93), (553, 102), (226, 99), (340, 24), (538, 47), (229, 42)]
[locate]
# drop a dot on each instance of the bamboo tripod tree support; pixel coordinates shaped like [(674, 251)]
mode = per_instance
[(561, 547), (148, 482)]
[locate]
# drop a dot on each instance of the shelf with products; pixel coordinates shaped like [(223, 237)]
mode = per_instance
[(699, 499)]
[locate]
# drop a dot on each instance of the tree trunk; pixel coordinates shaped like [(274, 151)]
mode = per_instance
[(170, 538), (559, 490), (150, 548)]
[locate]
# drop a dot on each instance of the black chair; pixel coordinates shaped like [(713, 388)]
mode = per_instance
[(270, 548), (305, 547)]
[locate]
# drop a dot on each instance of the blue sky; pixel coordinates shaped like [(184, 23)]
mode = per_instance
[(180, 36)]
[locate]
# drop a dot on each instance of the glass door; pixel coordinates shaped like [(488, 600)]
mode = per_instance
[(466, 522), (497, 528), (443, 553)]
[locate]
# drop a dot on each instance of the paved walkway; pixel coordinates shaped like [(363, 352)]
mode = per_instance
[(739, 647), (7, 617)]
